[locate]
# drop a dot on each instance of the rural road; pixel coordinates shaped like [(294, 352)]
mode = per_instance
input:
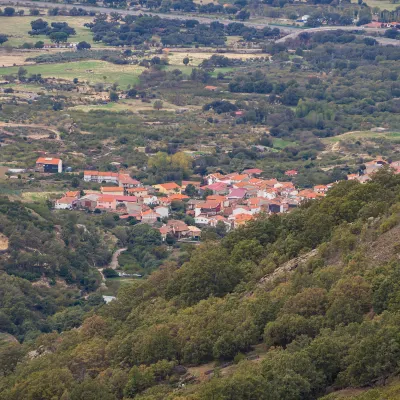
[(113, 264), (9, 124), (381, 40), (296, 31), (107, 10)]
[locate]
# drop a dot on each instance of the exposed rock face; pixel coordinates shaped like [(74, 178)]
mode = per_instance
[(287, 267), (3, 242)]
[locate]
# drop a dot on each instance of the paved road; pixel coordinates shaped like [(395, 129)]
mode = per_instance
[(293, 32), (380, 40)]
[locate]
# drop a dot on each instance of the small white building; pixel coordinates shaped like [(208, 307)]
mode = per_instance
[(201, 220), (150, 200), (163, 211), (65, 203)]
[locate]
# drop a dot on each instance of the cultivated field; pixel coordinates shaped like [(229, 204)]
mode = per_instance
[(17, 28), (91, 71)]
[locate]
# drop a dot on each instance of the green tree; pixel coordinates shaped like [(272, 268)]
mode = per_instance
[(58, 37), (158, 105), (208, 273), (3, 39), (114, 96)]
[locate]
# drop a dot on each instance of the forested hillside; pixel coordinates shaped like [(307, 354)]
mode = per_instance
[(54, 251), (292, 306)]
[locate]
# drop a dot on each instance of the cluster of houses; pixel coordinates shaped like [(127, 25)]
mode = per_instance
[(371, 167), (228, 200)]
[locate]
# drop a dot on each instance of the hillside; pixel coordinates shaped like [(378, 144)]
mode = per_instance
[(257, 315), (46, 264)]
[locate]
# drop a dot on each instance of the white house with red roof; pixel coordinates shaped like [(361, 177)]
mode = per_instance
[(65, 203)]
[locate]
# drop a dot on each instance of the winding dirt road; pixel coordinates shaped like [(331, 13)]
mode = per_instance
[(113, 264)]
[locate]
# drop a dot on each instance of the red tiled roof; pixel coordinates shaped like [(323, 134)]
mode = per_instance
[(169, 185), (48, 160), (107, 189)]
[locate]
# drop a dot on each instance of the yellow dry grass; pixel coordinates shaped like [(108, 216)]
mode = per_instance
[(3, 242), (176, 58), (39, 196)]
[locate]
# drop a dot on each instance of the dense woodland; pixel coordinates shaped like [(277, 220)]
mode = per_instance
[(331, 323)]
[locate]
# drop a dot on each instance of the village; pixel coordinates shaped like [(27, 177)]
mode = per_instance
[(228, 201)]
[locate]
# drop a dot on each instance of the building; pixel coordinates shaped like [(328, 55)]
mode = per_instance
[(321, 189), (118, 178), (149, 217), (101, 177), (65, 203), (88, 202), (253, 171), (177, 228), (185, 184), (220, 188), (194, 232), (126, 199), (48, 164), (114, 190), (74, 194), (106, 202), (207, 208), (125, 181), (202, 220), (168, 188), (150, 200), (211, 88), (138, 191), (291, 172), (163, 211)]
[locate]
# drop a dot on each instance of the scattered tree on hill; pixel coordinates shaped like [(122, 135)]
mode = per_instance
[(3, 39), (158, 105), (114, 96), (58, 37), (83, 46), (9, 11)]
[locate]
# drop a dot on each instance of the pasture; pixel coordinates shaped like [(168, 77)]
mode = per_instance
[(17, 28), (93, 71)]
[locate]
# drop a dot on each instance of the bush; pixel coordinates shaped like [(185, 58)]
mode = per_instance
[(110, 273)]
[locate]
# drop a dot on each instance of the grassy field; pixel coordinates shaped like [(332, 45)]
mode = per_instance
[(40, 196), (175, 58), (17, 28), (113, 285), (281, 143), (362, 135), (92, 71)]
